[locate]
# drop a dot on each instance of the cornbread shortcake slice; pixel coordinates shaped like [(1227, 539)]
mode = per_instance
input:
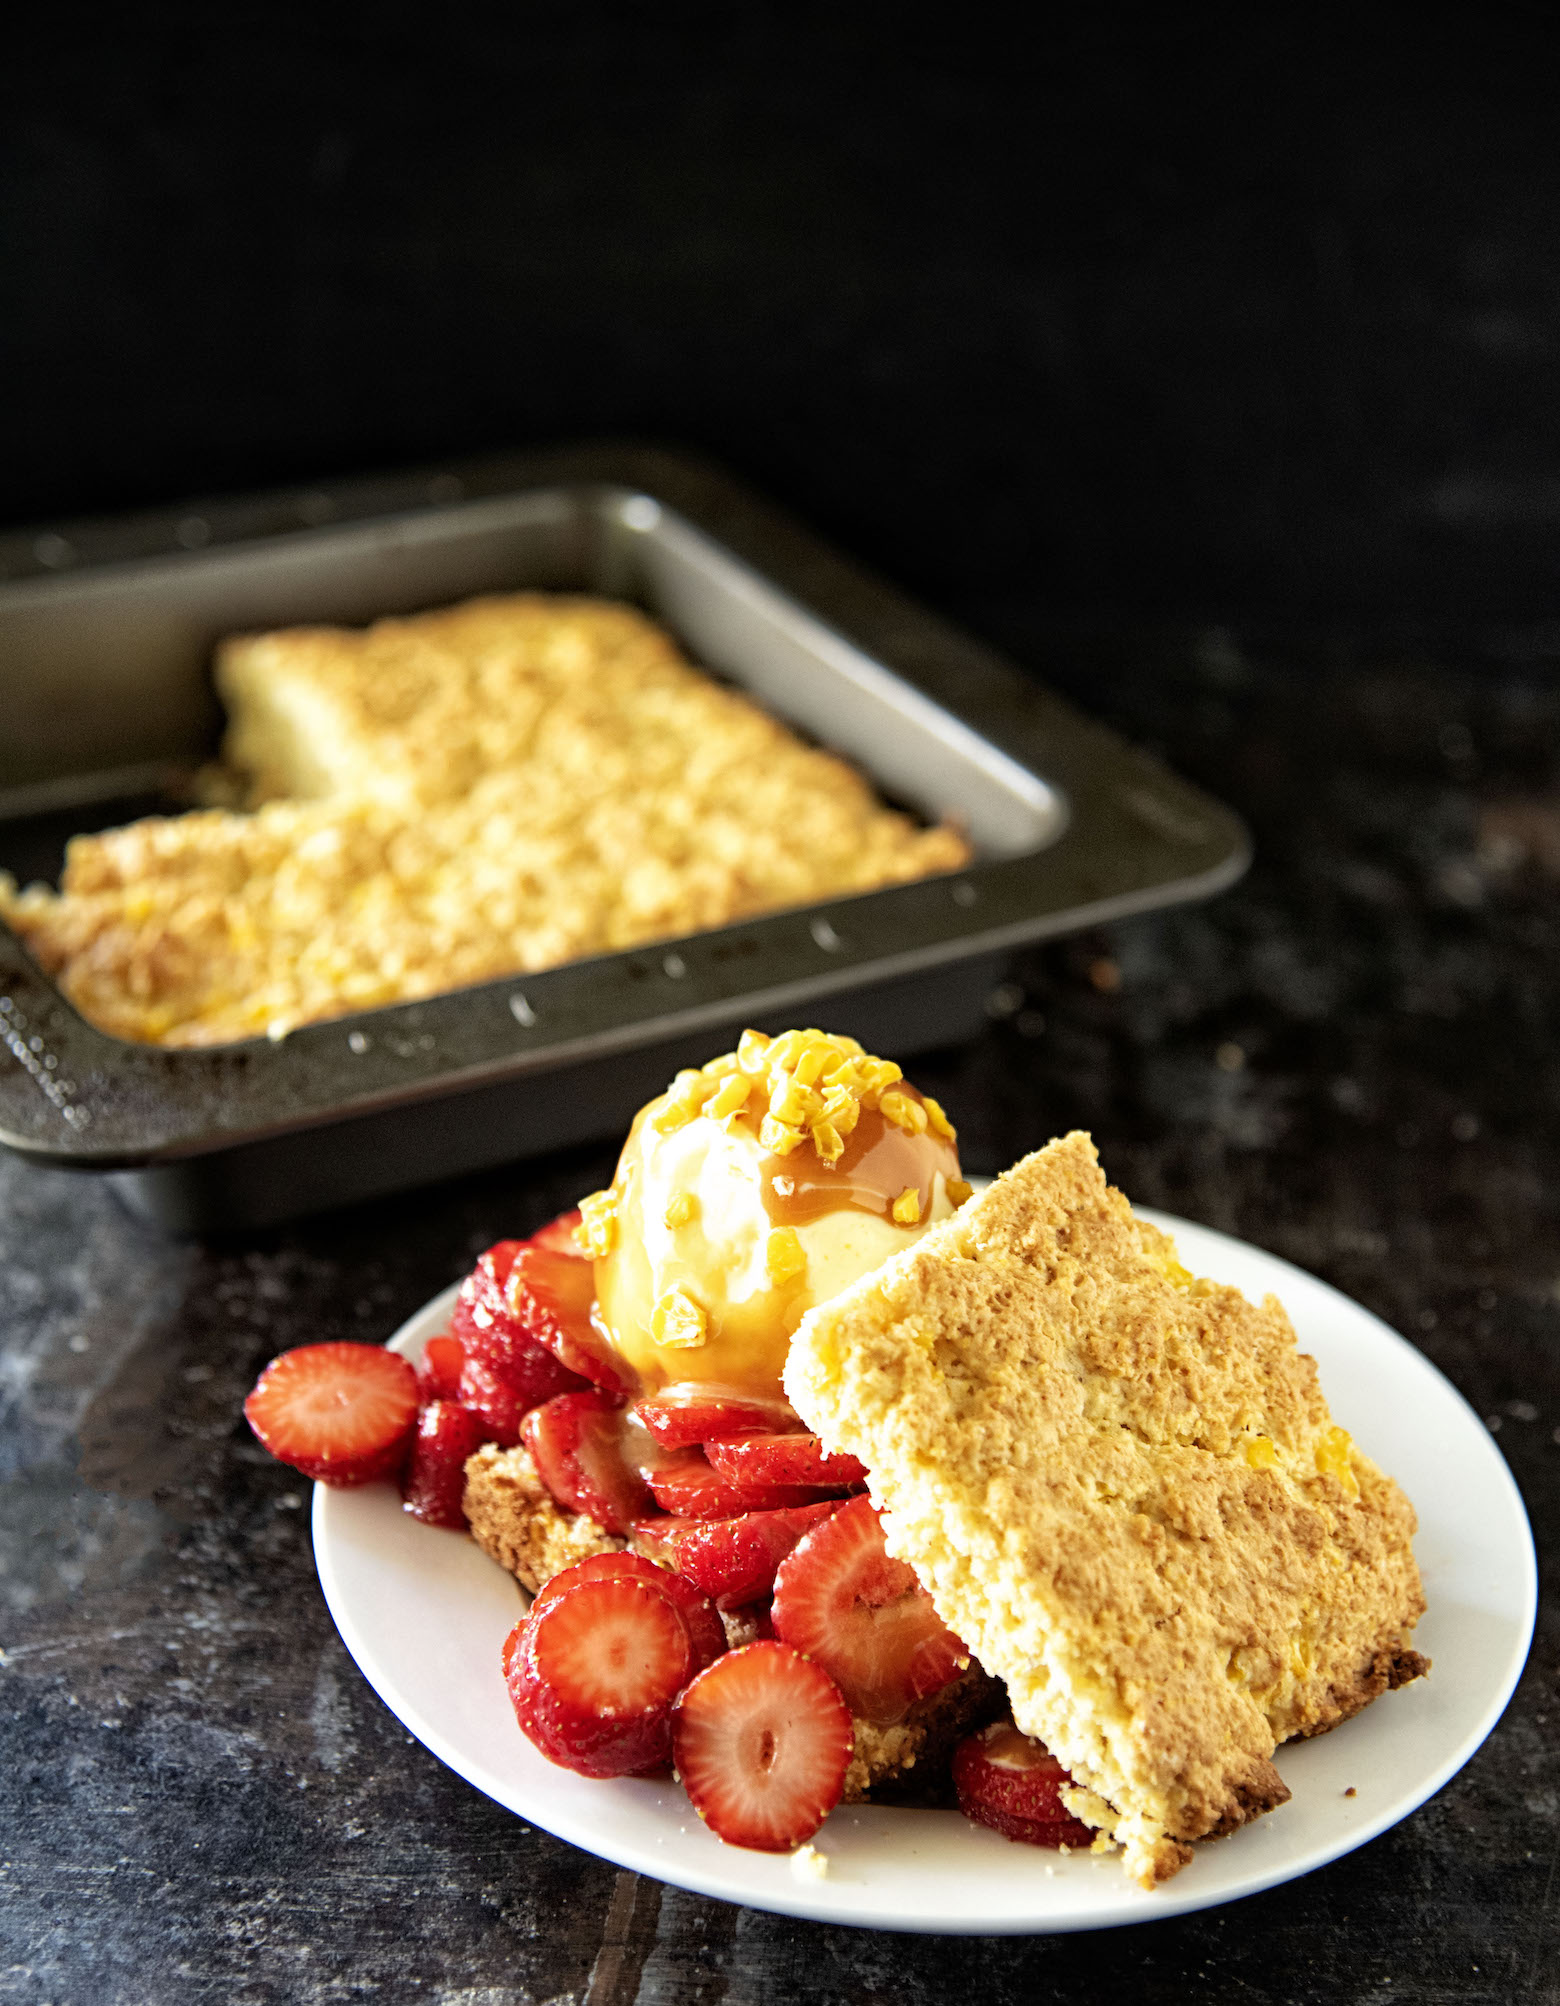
[(1123, 1489)]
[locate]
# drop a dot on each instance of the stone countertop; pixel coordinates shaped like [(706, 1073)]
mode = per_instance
[(1349, 1059)]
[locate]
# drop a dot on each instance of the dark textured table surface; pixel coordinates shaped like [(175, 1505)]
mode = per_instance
[(1349, 1059)]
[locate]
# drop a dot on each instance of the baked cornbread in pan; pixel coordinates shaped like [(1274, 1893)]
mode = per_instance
[(445, 799), (1123, 1489)]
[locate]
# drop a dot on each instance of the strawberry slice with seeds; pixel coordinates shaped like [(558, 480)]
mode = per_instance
[(690, 1413), (864, 1617), (690, 1488), (706, 1632), (733, 1560), (1014, 1784), (762, 1740), (505, 1371), (552, 1295), (577, 1443), (434, 1481), (595, 1673), (784, 1459), (341, 1413), (558, 1236), (438, 1370)]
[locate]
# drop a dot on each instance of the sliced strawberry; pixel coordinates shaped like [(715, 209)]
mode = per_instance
[(784, 1459), (1014, 1784), (553, 1295), (558, 1236), (690, 1413), (762, 1741), (576, 1441), (864, 1617), (689, 1488), (734, 1559), (512, 1645), (438, 1370), (434, 1481), (706, 1632), (595, 1674), (656, 1536), (505, 1371), (341, 1413)]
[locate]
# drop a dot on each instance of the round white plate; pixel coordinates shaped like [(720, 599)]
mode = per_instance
[(424, 1613)]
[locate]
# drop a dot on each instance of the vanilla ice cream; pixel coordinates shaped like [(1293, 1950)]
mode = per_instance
[(751, 1190)]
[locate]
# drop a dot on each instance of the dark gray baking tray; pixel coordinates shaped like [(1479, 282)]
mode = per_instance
[(106, 632)]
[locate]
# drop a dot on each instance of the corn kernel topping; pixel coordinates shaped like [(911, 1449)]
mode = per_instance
[(597, 1230), (677, 1319), (907, 1206), (784, 1255)]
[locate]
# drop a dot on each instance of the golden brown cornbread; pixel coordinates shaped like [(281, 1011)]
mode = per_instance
[(483, 791), (514, 1520), (1122, 1488), (924, 1739)]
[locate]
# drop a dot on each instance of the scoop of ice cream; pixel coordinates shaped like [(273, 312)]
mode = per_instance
[(754, 1188)]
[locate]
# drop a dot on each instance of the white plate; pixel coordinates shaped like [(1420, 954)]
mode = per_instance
[(424, 1613)]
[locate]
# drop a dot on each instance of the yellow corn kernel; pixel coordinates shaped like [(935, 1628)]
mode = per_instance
[(828, 1141), (730, 1097), (958, 1191), (1300, 1657), (721, 1068), (841, 1107), (937, 1121), (680, 1208), (1261, 1454), (778, 1137), (811, 1063), (597, 1230), (784, 1255), (1333, 1459), (877, 1075), (793, 1103), (677, 1320), (903, 1112), (844, 1077), (753, 1051), (907, 1206), (679, 1103)]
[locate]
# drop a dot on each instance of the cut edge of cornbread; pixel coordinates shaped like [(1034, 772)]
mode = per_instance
[(1123, 1489)]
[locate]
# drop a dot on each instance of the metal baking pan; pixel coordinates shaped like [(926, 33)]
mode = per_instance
[(106, 634)]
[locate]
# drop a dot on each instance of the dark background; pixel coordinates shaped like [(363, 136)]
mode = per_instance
[(1211, 368), (1249, 310)]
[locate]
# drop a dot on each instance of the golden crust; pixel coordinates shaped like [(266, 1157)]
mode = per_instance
[(1123, 1489), (478, 792), (515, 1521), (924, 1738)]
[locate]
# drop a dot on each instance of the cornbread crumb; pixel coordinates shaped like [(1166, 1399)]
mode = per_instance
[(443, 800), (514, 1519), (923, 1739), (808, 1864), (1057, 1419)]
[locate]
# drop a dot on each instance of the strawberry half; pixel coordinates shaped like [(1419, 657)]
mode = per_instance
[(691, 1413), (706, 1632), (864, 1617), (762, 1740), (689, 1488), (595, 1673), (1014, 1784), (341, 1413), (784, 1459), (552, 1295), (439, 1368), (434, 1481), (576, 1441), (733, 1560)]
